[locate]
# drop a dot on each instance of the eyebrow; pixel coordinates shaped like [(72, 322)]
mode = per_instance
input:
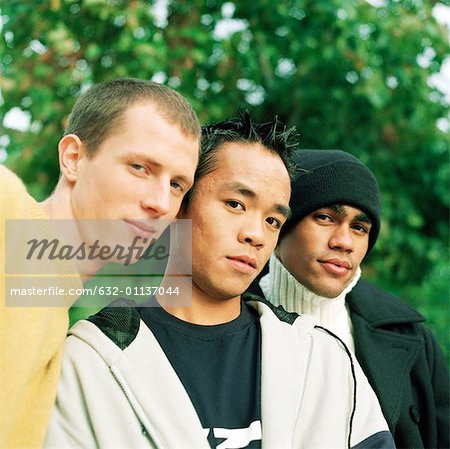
[(241, 188), (342, 212), (339, 209), (284, 210), (364, 218), (185, 179), (249, 193), (144, 157)]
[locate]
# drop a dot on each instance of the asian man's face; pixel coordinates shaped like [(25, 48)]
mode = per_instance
[(237, 211)]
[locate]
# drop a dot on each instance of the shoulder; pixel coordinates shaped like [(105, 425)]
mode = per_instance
[(9, 177), (262, 304), (372, 291), (10, 187), (104, 335), (294, 327), (15, 202), (119, 321), (382, 310), (10, 183), (379, 306), (374, 305)]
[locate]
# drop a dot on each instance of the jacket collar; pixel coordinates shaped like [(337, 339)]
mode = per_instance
[(283, 376), (378, 307), (386, 356)]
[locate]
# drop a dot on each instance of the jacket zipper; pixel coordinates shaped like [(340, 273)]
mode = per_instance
[(307, 368), (145, 430)]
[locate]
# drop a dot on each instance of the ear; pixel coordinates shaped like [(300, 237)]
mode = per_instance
[(71, 151)]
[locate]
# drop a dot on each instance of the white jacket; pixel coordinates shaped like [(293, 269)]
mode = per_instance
[(126, 395)]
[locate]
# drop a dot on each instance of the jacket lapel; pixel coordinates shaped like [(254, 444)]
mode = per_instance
[(385, 357)]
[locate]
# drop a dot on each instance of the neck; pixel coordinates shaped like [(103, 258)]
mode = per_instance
[(281, 288), (204, 309), (58, 206)]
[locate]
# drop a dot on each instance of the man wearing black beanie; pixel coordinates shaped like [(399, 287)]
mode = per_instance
[(315, 270)]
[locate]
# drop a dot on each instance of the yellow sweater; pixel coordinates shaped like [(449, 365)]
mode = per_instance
[(31, 340)]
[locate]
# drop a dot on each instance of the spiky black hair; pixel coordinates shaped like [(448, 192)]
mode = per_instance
[(273, 135)]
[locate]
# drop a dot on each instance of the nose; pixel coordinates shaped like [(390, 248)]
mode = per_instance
[(341, 239), (156, 199), (253, 233)]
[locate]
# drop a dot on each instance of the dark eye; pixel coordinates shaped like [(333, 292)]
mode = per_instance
[(322, 217), (274, 222), (235, 205), (360, 228)]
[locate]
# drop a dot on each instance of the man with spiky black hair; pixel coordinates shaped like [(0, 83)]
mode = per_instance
[(228, 371)]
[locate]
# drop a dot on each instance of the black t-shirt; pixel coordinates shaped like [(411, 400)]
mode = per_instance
[(220, 368)]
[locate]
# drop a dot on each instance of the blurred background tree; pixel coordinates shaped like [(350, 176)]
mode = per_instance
[(348, 73)]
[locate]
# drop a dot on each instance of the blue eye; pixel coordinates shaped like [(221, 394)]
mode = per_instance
[(177, 186), (138, 167)]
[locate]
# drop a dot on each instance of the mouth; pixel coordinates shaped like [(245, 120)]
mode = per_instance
[(140, 228), (336, 267), (244, 264)]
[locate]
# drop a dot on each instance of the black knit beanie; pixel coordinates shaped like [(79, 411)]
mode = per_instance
[(330, 177)]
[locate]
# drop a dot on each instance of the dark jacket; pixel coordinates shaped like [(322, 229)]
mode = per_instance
[(404, 365)]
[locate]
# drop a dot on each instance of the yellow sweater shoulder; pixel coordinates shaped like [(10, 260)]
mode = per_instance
[(31, 341), (14, 199)]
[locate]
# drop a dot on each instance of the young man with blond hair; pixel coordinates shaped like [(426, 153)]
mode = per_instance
[(128, 154)]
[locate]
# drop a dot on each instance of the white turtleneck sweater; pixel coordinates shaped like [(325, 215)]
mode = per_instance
[(281, 288)]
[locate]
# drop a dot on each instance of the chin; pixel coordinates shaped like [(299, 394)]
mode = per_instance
[(224, 293), (221, 287), (331, 293), (229, 294), (325, 292)]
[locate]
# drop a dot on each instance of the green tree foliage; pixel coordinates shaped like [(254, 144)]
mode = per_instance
[(349, 75)]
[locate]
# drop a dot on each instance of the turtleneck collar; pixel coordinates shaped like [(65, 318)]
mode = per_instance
[(281, 288)]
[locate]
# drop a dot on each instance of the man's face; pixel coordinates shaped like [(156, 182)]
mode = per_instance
[(140, 171), (325, 248), (236, 211)]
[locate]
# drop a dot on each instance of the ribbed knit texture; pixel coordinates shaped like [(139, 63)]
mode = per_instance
[(281, 288)]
